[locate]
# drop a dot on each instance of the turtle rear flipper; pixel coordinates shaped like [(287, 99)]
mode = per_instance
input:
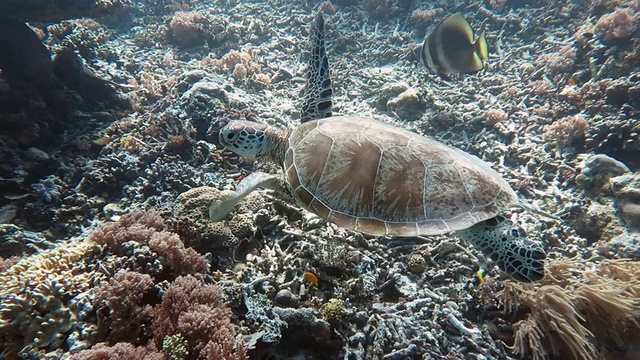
[(508, 246)]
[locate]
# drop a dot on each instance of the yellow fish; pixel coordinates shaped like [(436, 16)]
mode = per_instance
[(452, 49)]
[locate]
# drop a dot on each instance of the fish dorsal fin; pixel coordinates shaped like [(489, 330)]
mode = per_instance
[(457, 23), (316, 99)]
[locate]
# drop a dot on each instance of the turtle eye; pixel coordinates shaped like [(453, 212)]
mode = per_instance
[(232, 136)]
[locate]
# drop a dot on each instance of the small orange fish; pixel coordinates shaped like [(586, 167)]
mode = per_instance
[(104, 140), (311, 277), (572, 82)]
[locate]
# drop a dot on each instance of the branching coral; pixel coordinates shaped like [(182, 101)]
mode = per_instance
[(242, 65), (495, 116), (189, 28), (146, 228), (84, 35), (198, 313), (616, 136), (566, 131), (126, 312), (558, 62), (47, 300), (380, 9), (576, 309)]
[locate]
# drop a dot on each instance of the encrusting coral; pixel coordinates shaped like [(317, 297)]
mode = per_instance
[(190, 219)]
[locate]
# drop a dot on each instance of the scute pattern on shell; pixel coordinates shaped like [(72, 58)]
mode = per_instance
[(372, 177)]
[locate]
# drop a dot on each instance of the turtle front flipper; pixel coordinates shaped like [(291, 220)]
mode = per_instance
[(219, 209), (316, 99), (509, 247)]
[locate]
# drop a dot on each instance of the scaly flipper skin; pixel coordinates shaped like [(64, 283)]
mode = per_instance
[(316, 100), (508, 246), (218, 210)]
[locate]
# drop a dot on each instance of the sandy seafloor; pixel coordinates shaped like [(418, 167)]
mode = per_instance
[(81, 278)]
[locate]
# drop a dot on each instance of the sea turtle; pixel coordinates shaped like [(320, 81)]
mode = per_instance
[(379, 179)]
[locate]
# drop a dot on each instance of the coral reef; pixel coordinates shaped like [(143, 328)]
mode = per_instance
[(494, 116), (244, 66), (119, 351), (626, 190), (566, 131), (189, 28), (125, 119), (145, 229)]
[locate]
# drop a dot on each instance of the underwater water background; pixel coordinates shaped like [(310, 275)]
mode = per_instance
[(110, 112)]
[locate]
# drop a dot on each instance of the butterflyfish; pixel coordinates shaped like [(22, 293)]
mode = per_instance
[(452, 48)]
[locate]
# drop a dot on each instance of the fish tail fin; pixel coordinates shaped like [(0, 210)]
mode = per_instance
[(481, 46)]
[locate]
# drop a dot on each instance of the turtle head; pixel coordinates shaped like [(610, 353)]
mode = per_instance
[(245, 138)]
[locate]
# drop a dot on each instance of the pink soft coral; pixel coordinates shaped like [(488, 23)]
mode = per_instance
[(617, 25), (197, 312)]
